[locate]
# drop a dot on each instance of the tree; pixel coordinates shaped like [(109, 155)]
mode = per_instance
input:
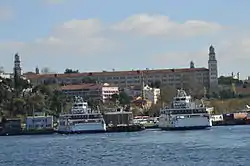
[(166, 94), (192, 86), (69, 71), (115, 98), (122, 98), (46, 70), (155, 84), (222, 80)]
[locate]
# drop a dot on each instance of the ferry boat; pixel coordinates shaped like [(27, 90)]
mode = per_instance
[(184, 114), (81, 119)]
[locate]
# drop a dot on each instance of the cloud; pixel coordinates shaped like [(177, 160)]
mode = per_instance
[(160, 25), (5, 13), (75, 37), (233, 55), (91, 36)]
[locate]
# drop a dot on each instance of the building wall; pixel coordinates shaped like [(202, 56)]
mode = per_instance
[(107, 92), (175, 77), (95, 92)]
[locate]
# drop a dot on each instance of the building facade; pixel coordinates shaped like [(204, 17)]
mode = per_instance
[(177, 78), (99, 92), (173, 77)]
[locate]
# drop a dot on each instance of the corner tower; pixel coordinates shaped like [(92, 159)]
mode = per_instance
[(213, 70)]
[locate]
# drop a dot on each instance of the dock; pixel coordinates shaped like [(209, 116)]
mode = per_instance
[(125, 128), (121, 121)]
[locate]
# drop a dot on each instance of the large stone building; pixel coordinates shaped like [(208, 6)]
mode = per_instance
[(178, 78)]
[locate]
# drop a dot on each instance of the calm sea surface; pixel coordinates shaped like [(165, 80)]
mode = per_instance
[(218, 146)]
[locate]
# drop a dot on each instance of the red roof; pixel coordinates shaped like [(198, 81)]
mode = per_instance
[(81, 86), (115, 73)]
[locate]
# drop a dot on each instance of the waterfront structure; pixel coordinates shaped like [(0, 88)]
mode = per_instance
[(39, 122), (217, 118), (81, 119), (177, 78), (99, 92), (11, 127), (118, 118), (184, 114)]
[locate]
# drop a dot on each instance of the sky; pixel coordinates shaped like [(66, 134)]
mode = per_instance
[(97, 35)]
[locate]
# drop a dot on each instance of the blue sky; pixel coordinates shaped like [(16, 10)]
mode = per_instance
[(95, 35)]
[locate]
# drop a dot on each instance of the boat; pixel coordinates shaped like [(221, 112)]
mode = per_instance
[(184, 114), (81, 119)]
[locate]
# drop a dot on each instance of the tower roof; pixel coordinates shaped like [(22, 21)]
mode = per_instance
[(211, 49)]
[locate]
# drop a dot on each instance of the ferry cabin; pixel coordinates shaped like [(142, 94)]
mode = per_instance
[(80, 118), (180, 111)]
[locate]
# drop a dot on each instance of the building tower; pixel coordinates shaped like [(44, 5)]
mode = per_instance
[(37, 70), (17, 66), (213, 71), (191, 64)]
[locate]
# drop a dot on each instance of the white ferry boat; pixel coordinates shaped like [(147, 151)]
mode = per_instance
[(81, 119), (184, 114)]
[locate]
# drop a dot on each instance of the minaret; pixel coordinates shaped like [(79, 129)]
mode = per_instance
[(17, 66), (213, 70), (37, 70), (142, 86), (191, 64)]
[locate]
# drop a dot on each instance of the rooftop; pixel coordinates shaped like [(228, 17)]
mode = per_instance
[(116, 73)]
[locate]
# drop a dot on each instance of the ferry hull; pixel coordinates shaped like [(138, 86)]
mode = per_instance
[(83, 128), (186, 128), (82, 132), (191, 123)]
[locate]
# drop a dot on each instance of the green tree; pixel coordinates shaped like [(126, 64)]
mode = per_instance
[(222, 80), (124, 98), (155, 84), (70, 71)]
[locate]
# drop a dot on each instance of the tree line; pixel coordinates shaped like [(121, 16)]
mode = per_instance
[(19, 98)]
